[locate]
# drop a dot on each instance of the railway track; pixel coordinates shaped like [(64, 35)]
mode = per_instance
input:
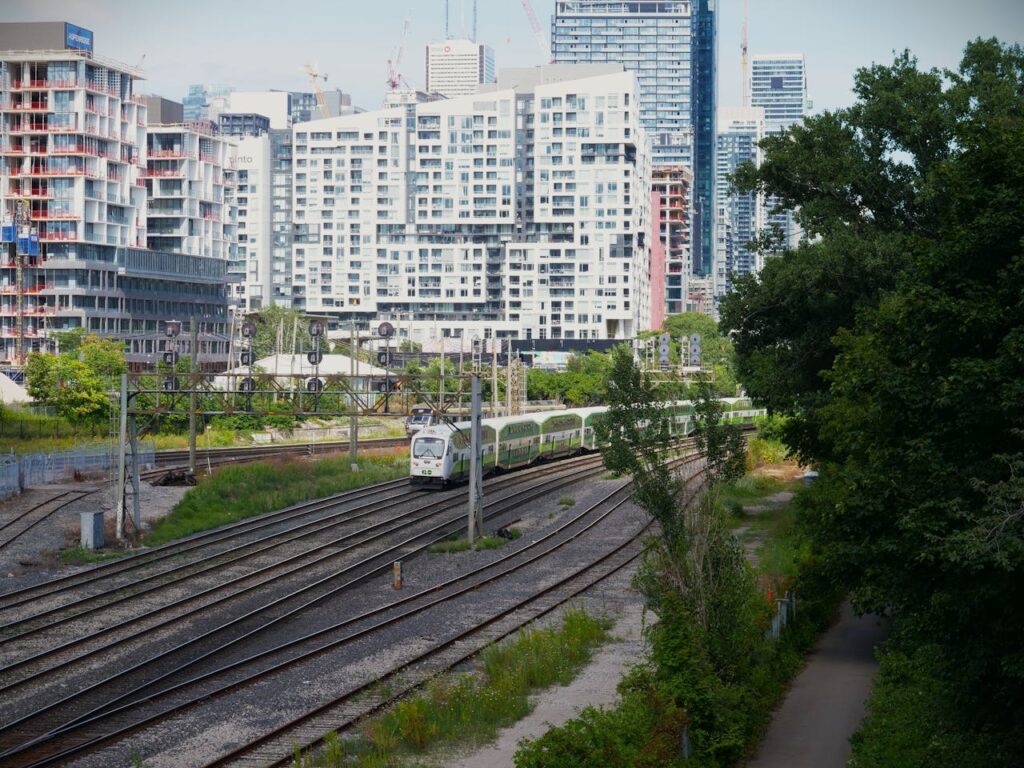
[(24, 522), (151, 705), (172, 662), (180, 458)]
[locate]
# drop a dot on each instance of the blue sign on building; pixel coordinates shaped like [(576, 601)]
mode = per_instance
[(77, 37)]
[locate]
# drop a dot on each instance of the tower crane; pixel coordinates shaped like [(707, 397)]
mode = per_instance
[(395, 78), (321, 102), (538, 33)]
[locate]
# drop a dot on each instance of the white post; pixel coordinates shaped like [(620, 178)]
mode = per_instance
[(476, 475)]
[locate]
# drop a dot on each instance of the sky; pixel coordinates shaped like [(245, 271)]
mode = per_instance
[(262, 44)]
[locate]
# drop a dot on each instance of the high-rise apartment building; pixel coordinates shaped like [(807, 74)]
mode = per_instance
[(189, 172), (739, 131), (73, 140), (674, 184), (778, 85), (670, 45), (458, 67), (519, 212)]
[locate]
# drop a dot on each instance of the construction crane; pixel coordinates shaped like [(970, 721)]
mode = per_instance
[(744, 59), (395, 78), (321, 102), (538, 32)]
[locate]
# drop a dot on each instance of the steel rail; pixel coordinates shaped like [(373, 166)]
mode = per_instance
[(471, 587)]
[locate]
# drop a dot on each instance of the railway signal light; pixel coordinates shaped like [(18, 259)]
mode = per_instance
[(315, 357), (170, 358), (172, 384), (384, 358), (249, 330), (315, 385), (664, 346), (172, 328), (316, 328), (695, 357), (247, 385), (386, 330), (247, 358)]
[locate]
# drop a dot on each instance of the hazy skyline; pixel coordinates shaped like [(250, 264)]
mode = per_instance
[(260, 44)]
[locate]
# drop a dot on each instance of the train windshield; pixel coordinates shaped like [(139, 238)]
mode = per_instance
[(419, 418), (428, 448)]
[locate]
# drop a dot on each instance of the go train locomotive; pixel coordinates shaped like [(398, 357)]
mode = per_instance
[(440, 454)]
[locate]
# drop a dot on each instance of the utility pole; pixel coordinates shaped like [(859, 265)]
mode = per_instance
[(508, 380), (476, 476), (119, 523), (193, 360), (353, 427), (494, 377)]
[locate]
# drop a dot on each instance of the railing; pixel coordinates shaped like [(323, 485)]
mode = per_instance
[(23, 85)]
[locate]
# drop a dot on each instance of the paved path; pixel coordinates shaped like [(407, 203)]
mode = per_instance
[(825, 705), (595, 686)]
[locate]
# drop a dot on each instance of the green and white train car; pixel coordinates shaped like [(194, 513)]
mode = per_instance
[(440, 454)]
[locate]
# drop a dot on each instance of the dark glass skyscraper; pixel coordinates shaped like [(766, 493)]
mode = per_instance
[(671, 46)]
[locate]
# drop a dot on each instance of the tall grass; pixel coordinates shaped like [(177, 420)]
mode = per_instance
[(236, 493), (471, 708)]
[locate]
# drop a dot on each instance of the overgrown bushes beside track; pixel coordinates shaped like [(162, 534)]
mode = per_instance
[(237, 492)]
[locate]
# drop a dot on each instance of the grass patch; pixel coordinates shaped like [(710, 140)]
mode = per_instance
[(470, 708), (567, 501), (79, 555), (238, 492), (462, 545)]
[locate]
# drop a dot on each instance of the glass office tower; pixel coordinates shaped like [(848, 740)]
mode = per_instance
[(670, 45)]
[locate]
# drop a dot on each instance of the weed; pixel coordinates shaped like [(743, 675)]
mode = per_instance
[(735, 509), (468, 708), (462, 545), (79, 555), (567, 501), (238, 492)]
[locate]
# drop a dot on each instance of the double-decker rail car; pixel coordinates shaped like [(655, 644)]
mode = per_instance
[(440, 453)]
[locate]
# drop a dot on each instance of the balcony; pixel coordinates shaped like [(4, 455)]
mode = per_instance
[(35, 85), (31, 106), (161, 173)]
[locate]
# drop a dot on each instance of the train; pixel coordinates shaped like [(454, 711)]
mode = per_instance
[(439, 454)]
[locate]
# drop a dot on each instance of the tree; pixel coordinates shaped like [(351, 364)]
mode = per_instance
[(895, 341), (710, 630), (79, 381), (280, 330)]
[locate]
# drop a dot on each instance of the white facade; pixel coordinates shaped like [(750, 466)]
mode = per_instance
[(252, 266), (72, 147), (509, 213), (778, 84), (458, 67), (275, 105), (189, 181)]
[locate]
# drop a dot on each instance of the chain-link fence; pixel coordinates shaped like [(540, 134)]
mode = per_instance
[(9, 483), (17, 473)]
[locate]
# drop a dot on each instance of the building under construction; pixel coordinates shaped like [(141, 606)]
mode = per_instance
[(73, 197)]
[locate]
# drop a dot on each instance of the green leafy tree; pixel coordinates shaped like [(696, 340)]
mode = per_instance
[(78, 383), (69, 341), (709, 638), (279, 329), (894, 340)]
